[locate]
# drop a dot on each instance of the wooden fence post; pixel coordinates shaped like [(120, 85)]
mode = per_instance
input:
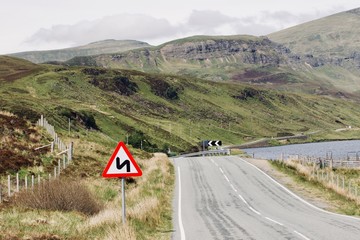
[(9, 186), (349, 187), (17, 182), (32, 181), (26, 182), (59, 165), (55, 173)]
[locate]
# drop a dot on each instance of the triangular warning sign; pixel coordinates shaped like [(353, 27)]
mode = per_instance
[(121, 164)]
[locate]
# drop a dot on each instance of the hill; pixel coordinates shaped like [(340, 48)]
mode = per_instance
[(95, 48), (246, 59), (13, 68), (331, 44), (333, 38), (163, 111)]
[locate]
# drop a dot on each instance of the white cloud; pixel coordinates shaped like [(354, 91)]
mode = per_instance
[(122, 26), (157, 30)]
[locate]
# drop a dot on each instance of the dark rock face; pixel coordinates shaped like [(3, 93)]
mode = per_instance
[(262, 51)]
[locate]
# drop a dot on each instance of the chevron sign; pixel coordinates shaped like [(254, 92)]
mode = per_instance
[(214, 143)]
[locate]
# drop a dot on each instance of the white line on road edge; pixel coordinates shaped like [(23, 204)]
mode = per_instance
[(226, 178), (272, 220), (232, 186), (296, 196), (301, 235), (258, 213), (221, 170), (243, 199), (181, 226)]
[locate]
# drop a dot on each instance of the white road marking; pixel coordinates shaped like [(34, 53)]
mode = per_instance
[(226, 178), (252, 209), (181, 226), (243, 199), (274, 221), (221, 170), (301, 235), (296, 196), (232, 186)]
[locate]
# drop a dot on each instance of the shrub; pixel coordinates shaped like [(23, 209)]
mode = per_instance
[(65, 195)]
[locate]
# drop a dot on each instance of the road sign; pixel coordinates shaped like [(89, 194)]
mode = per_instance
[(214, 143), (121, 164)]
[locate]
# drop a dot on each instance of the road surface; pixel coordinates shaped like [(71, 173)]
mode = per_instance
[(229, 198)]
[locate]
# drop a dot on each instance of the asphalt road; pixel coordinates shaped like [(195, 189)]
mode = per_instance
[(228, 198)]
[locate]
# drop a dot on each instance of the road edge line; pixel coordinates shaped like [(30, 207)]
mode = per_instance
[(298, 197), (181, 226)]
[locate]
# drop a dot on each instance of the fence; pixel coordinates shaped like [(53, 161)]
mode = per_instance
[(321, 170), (19, 181), (328, 161)]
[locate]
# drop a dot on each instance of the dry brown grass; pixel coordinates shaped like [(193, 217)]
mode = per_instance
[(147, 202), (61, 195), (121, 231), (310, 172)]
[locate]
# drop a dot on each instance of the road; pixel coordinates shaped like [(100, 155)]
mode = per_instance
[(229, 198)]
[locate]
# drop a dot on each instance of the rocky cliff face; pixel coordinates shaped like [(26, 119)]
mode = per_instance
[(213, 58), (258, 51)]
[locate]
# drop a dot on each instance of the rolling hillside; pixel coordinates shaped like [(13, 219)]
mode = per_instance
[(333, 37), (101, 47), (332, 44), (166, 110)]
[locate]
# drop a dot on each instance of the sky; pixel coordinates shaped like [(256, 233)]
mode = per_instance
[(28, 25)]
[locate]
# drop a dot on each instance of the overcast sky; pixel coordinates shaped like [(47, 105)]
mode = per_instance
[(49, 24)]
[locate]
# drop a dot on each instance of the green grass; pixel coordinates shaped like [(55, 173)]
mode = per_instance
[(203, 110)]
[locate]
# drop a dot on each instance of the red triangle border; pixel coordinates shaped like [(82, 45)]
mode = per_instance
[(105, 173)]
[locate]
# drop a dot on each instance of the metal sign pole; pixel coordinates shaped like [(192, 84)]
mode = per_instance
[(123, 199)]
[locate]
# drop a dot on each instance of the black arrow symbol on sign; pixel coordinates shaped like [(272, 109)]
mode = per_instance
[(120, 166)]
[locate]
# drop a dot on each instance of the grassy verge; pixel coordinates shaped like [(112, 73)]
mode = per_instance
[(148, 207), (341, 201)]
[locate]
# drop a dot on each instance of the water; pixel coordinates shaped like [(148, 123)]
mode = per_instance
[(338, 149)]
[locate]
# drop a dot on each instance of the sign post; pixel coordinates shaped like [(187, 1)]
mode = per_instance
[(123, 200), (121, 165)]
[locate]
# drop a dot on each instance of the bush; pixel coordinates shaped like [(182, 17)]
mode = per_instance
[(59, 195)]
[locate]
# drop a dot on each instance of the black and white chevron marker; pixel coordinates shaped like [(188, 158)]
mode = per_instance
[(214, 143)]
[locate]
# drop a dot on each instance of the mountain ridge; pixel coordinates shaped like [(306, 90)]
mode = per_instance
[(94, 48)]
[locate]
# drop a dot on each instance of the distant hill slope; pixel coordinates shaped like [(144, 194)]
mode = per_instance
[(331, 45), (106, 46), (14, 68), (241, 58), (335, 36), (163, 111), (208, 57), (319, 57)]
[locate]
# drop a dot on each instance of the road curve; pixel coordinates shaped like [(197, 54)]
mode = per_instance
[(229, 198)]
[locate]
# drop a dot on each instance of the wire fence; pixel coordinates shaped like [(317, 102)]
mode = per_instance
[(13, 184), (324, 171)]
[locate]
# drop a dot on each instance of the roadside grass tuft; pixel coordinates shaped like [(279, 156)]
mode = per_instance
[(60, 195)]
